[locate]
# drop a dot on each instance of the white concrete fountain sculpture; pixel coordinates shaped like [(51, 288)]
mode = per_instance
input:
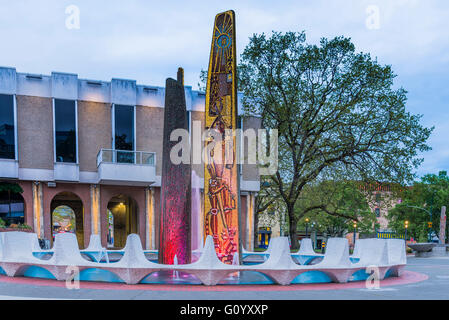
[(133, 266), (17, 254), (306, 248), (306, 253), (66, 254), (336, 263), (373, 254), (95, 249), (397, 256), (208, 269), (356, 250), (280, 266)]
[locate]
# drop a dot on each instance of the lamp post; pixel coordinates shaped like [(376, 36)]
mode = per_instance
[(314, 231), (406, 227), (355, 231), (307, 227)]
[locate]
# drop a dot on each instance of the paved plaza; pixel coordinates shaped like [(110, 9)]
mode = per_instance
[(431, 280)]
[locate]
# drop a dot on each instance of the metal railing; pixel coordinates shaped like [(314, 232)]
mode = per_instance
[(126, 157)]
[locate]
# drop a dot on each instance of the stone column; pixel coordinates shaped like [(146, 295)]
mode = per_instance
[(443, 225), (38, 212), (95, 209), (250, 222), (150, 242)]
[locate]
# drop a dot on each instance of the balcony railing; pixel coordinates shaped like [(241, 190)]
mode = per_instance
[(126, 157)]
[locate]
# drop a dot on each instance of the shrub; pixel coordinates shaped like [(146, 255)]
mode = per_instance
[(24, 226)]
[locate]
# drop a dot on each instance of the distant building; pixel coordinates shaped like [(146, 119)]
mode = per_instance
[(381, 199)]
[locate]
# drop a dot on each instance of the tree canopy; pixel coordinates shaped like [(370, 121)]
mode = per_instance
[(422, 199), (336, 111), (333, 206)]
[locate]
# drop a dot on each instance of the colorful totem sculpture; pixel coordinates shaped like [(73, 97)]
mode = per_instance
[(175, 219), (221, 185)]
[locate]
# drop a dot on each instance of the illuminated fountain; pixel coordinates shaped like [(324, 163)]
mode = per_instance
[(183, 257), (17, 259)]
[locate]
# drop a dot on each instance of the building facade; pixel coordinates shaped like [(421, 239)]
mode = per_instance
[(88, 156)]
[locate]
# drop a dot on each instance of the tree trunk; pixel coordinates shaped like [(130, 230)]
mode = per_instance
[(292, 228)]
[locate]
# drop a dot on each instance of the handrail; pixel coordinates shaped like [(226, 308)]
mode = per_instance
[(126, 157)]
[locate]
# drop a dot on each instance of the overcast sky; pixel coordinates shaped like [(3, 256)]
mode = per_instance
[(147, 41)]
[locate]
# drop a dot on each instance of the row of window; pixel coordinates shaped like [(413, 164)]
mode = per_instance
[(65, 119)]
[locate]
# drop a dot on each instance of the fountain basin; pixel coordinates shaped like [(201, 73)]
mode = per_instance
[(422, 249)]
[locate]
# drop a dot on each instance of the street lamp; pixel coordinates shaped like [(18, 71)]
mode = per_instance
[(307, 227), (406, 227), (314, 231), (355, 230)]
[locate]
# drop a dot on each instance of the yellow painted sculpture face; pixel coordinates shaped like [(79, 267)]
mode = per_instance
[(221, 201)]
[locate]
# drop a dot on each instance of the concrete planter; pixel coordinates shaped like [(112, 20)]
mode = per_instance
[(424, 250)]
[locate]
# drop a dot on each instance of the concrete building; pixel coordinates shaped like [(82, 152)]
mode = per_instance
[(381, 198), (88, 155)]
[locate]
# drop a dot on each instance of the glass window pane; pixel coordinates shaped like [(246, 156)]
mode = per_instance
[(11, 208), (7, 144), (124, 133), (65, 123), (377, 211)]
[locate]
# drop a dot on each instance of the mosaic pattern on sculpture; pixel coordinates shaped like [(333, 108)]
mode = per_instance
[(221, 186)]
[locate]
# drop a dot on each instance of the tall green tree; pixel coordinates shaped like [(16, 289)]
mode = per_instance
[(421, 203), (266, 200), (334, 109), (333, 206)]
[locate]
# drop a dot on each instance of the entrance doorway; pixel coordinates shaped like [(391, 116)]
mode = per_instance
[(122, 220), (67, 216)]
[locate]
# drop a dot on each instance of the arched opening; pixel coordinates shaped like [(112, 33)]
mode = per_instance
[(359, 275), (38, 272), (313, 276), (99, 275), (67, 215), (122, 220), (12, 205)]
